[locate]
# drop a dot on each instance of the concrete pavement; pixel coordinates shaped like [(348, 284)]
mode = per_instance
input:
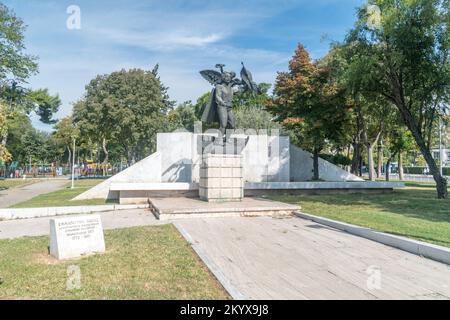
[(293, 258), (12, 196), (286, 258), (111, 220)]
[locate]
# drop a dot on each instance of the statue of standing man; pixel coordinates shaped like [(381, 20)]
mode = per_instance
[(220, 105)]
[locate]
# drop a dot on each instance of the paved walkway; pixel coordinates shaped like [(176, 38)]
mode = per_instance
[(111, 220), (289, 258), (293, 258), (13, 196)]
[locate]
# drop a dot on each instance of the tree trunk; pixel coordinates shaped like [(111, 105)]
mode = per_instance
[(3, 143), (316, 164), (441, 182), (388, 164), (414, 126), (400, 167), (69, 160), (370, 162), (380, 161), (356, 158), (105, 150)]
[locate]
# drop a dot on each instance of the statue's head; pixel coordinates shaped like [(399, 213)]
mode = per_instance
[(227, 77)]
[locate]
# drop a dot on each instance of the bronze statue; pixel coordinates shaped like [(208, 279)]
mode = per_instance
[(219, 107)]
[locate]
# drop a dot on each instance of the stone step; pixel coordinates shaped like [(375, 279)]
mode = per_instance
[(179, 208)]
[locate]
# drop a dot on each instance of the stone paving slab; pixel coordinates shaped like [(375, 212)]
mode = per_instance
[(12, 196), (176, 208), (293, 258)]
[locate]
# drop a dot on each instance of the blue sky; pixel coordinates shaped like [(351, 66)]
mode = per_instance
[(182, 36)]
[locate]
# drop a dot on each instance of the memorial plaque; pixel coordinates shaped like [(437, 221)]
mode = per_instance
[(73, 237)]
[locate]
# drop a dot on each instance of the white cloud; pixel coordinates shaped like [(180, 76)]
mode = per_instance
[(156, 41), (140, 34)]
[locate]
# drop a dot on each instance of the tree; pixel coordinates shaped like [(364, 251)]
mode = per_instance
[(373, 115), (406, 60), (15, 68), (14, 63), (400, 140), (183, 116), (64, 135), (4, 153), (124, 109), (18, 124), (309, 101), (255, 117), (250, 112), (44, 104), (251, 99)]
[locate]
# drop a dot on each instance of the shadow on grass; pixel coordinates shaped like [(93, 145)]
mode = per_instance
[(420, 185)]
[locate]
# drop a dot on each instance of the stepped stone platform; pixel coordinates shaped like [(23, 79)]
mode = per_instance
[(176, 208)]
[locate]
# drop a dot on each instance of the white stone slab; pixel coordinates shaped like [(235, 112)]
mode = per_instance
[(279, 159), (73, 237), (177, 156), (323, 185)]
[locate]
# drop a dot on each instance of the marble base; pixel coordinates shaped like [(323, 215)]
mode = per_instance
[(221, 178)]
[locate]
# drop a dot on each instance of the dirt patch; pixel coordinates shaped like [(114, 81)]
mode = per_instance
[(45, 258)]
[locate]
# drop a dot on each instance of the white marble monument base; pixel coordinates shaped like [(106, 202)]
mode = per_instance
[(221, 178)]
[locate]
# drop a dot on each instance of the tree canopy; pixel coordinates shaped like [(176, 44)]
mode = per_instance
[(309, 101), (405, 59), (125, 108)]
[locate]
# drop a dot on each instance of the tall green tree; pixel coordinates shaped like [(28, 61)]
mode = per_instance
[(405, 57), (15, 68), (15, 65), (399, 140), (309, 101), (63, 136), (123, 109), (183, 116), (5, 155), (14, 62)]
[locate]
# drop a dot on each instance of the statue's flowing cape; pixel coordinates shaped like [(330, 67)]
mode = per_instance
[(209, 113)]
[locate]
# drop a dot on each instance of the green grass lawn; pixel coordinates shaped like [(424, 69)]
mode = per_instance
[(62, 197), (14, 183), (412, 212), (140, 263)]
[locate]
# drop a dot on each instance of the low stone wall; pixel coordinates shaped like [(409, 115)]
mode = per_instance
[(141, 192), (278, 192)]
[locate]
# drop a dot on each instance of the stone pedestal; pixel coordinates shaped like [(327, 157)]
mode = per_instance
[(221, 178)]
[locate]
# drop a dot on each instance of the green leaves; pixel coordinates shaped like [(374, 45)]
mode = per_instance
[(13, 61), (44, 104), (126, 109), (309, 100)]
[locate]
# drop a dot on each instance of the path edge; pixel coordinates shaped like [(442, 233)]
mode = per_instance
[(427, 250)]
